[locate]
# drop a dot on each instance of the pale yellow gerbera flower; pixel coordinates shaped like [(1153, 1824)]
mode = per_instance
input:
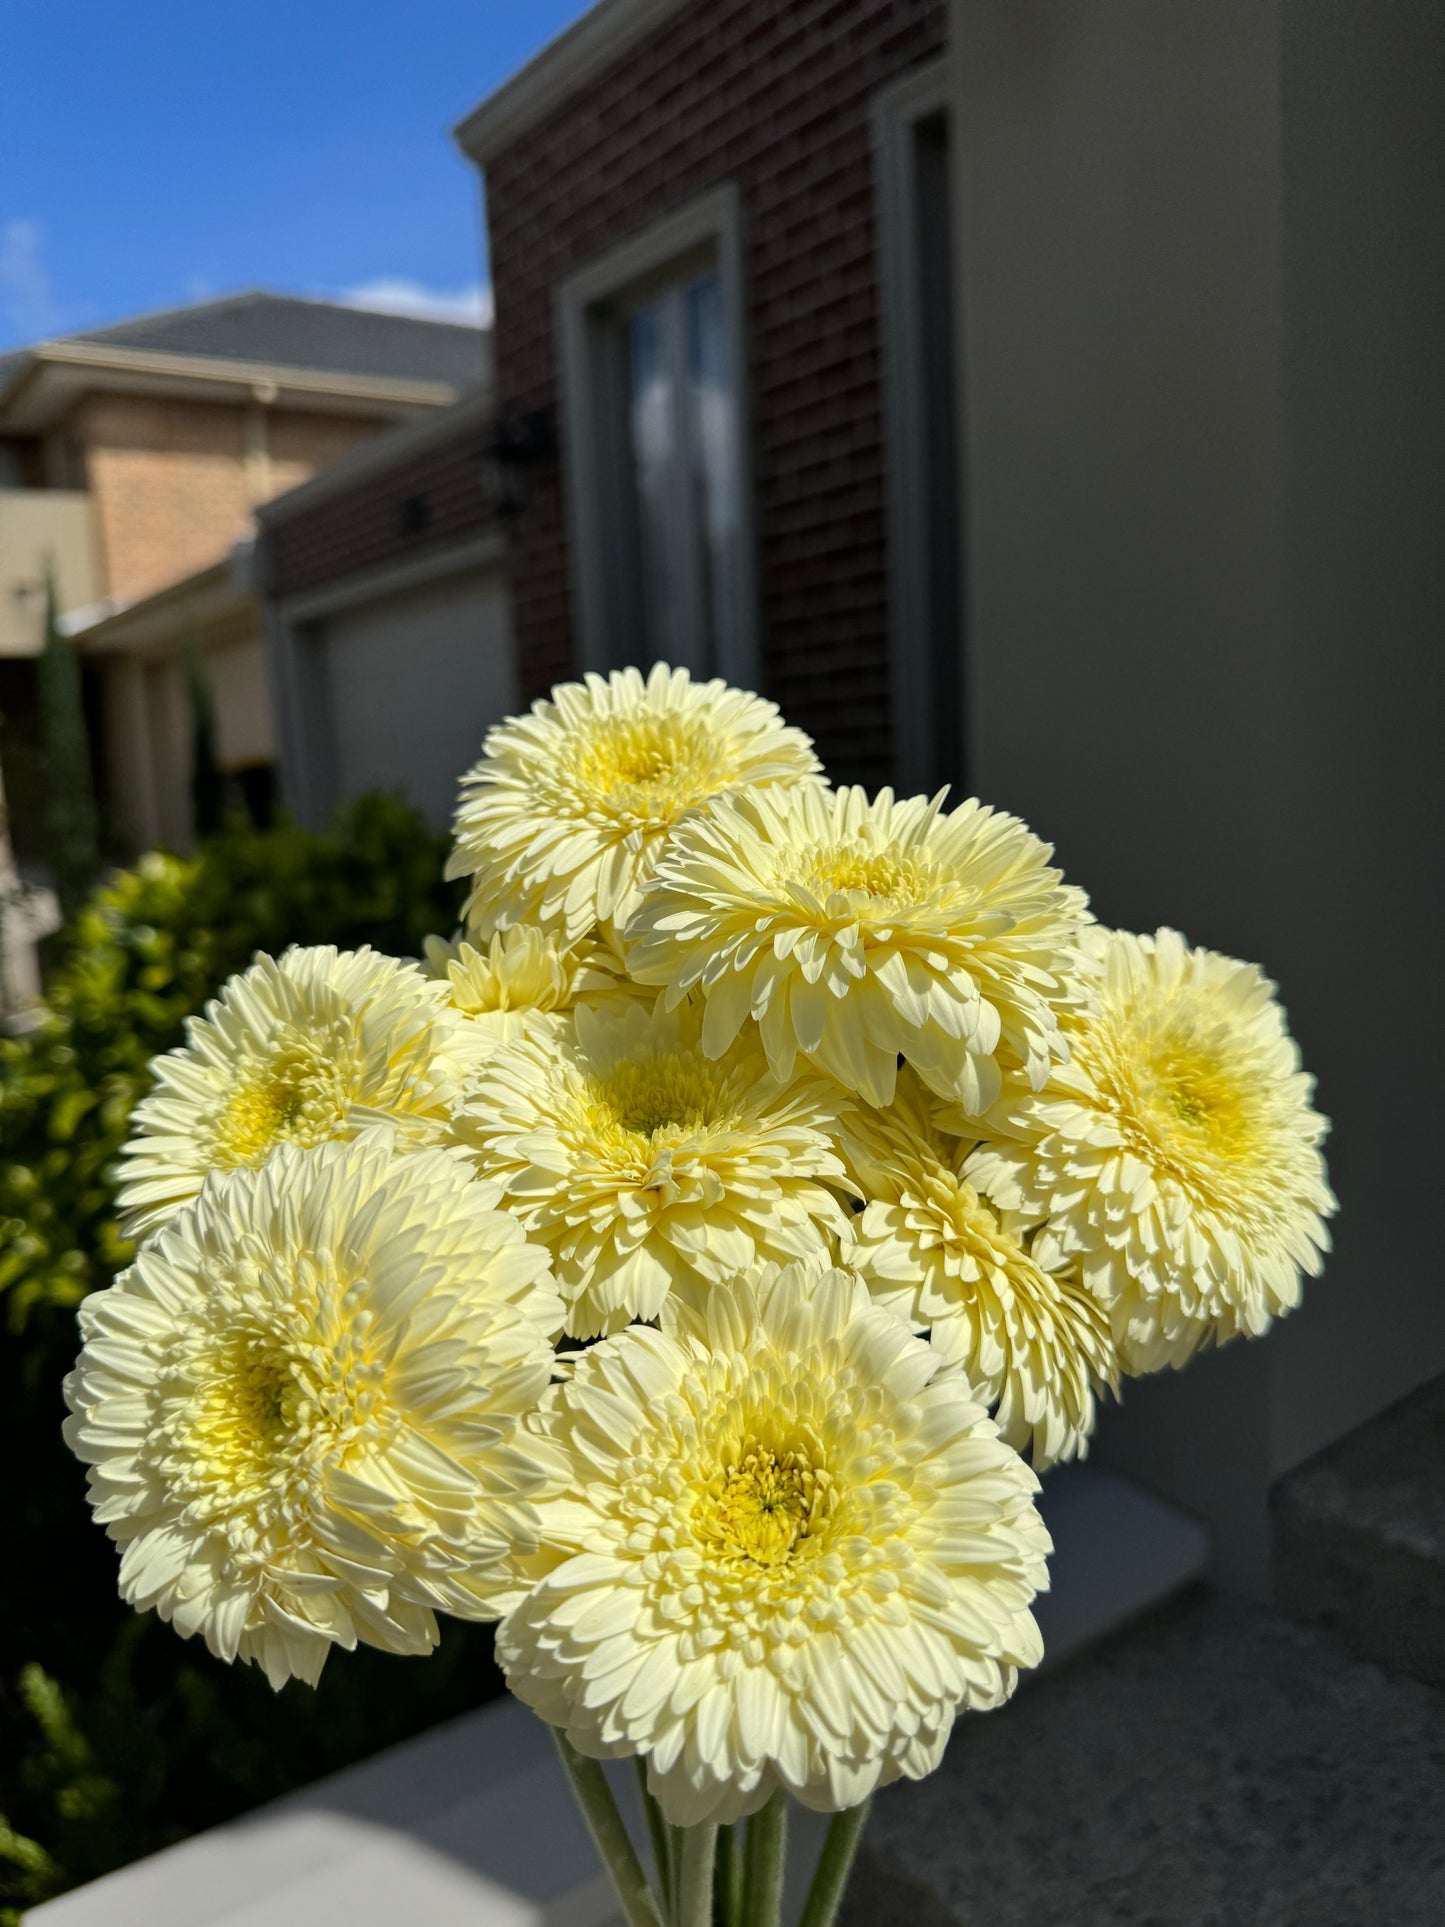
[(1030, 1340), (793, 1549), (601, 980), (1176, 1157), (562, 820), (518, 985), (301, 1406), (854, 931), (321, 1045), (525, 984), (640, 1162)]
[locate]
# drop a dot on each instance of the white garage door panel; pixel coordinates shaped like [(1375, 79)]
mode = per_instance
[(416, 680)]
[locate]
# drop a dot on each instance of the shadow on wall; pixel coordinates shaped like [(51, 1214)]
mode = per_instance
[(1205, 423)]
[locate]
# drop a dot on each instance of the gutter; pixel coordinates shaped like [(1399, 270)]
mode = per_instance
[(264, 379)]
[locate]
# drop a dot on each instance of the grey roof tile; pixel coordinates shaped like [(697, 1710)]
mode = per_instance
[(286, 331)]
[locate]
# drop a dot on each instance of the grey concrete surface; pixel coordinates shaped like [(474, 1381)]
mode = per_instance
[(1212, 1766), (1359, 1539), (1117, 1552)]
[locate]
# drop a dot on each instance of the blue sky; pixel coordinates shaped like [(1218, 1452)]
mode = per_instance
[(163, 151)]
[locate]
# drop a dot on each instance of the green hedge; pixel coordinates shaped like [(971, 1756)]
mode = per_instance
[(116, 1737)]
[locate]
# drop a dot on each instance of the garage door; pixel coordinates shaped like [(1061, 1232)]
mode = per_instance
[(416, 679)]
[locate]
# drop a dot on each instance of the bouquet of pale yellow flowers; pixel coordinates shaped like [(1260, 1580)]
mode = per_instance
[(690, 1266)]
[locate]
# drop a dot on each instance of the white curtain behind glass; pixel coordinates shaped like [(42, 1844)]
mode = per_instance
[(683, 431)]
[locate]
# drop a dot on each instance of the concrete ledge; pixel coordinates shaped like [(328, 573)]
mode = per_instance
[(1359, 1539), (472, 1825), (467, 1826), (1117, 1551), (1210, 1766)]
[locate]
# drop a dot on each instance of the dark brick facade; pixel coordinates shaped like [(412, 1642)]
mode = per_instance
[(775, 96), (420, 502)]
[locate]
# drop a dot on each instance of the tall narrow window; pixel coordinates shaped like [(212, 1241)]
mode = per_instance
[(713, 430), (653, 427), (925, 496), (656, 449), (683, 432)]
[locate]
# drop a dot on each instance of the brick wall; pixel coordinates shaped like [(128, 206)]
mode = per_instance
[(298, 445), (775, 96), (418, 503), (174, 481)]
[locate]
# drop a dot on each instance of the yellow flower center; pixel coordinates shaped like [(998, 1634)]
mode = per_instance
[(1178, 1098), (297, 1096), (856, 868), (256, 1404), (257, 1413), (765, 1507), (646, 768), (267, 1399), (767, 1498), (641, 1102)]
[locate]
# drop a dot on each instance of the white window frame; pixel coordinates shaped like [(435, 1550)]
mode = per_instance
[(593, 414), (898, 109)]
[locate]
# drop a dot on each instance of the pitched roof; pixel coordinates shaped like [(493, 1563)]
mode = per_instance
[(284, 331)]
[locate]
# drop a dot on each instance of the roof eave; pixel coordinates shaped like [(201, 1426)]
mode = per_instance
[(159, 620), (262, 380), (249, 374), (587, 48)]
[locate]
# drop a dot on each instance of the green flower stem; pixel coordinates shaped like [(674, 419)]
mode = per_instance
[(694, 1880), (767, 1853), (834, 1866), (679, 1836), (730, 1877), (604, 1823), (661, 1836), (674, 1872)]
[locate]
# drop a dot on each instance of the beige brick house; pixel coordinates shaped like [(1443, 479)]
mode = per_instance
[(132, 461)]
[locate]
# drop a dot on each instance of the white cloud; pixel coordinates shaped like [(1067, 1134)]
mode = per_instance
[(472, 304), (27, 295)]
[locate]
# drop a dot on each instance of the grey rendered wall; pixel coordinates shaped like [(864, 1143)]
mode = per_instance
[(1360, 932), (1173, 634)]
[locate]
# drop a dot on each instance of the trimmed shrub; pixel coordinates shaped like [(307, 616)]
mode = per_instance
[(116, 1737)]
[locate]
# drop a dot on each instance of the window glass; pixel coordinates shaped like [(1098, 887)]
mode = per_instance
[(652, 412), (682, 447), (712, 408)]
